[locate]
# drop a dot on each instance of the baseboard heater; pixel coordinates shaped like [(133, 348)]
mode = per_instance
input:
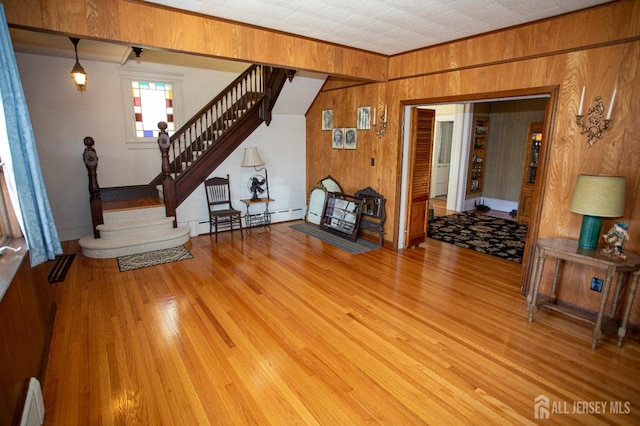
[(281, 215), (33, 412)]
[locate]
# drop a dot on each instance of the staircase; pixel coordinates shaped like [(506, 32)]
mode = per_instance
[(188, 156), (135, 230)]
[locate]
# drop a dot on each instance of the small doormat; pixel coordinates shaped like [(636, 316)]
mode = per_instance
[(152, 258), (61, 266), (355, 247), (497, 237)]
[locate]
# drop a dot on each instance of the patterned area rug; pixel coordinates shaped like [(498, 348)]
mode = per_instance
[(355, 247), (486, 234), (152, 258)]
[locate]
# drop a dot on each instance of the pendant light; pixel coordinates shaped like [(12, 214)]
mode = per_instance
[(77, 73)]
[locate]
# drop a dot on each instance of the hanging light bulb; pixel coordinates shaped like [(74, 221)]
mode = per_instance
[(77, 73)]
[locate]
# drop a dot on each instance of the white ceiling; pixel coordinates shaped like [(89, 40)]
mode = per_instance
[(383, 26)]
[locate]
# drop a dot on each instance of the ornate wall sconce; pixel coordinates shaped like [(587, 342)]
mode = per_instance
[(381, 128), (596, 123)]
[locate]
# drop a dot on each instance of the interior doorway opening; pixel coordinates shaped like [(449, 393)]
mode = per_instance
[(508, 121)]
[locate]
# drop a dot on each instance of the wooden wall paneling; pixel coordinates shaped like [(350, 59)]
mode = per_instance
[(25, 315), (599, 69), (102, 19), (334, 83), (352, 169), (615, 21), (30, 14), (118, 21)]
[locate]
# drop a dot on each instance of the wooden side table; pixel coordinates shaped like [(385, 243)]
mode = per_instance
[(565, 250), (253, 220)]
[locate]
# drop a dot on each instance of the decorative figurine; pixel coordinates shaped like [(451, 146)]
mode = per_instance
[(614, 240)]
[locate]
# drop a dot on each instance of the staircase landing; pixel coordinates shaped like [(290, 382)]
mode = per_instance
[(135, 203)]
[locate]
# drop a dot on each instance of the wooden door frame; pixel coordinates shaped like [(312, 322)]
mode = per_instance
[(541, 179)]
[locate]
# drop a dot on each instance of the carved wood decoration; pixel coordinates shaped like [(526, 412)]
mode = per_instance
[(90, 158)]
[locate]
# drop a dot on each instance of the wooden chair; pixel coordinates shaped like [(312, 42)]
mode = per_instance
[(222, 215), (373, 212)]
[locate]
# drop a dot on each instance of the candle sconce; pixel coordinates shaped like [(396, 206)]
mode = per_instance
[(596, 122), (381, 128)]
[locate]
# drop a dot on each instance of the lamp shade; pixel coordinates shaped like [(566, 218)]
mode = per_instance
[(599, 195), (251, 158)]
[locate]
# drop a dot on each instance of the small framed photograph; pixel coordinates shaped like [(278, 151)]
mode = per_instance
[(327, 119), (350, 138), (364, 118), (338, 138)]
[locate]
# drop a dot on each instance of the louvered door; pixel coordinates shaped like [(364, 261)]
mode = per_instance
[(421, 147)]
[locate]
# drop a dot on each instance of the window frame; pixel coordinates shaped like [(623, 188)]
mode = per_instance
[(126, 78)]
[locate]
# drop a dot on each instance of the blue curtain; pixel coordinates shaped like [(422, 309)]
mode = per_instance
[(34, 210)]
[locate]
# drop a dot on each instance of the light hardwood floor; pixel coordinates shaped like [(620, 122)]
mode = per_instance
[(279, 328)]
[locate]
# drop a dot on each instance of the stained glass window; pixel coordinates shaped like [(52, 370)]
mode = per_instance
[(152, 103)]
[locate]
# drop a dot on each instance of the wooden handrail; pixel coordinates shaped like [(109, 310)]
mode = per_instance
[(215, 100), (208, 125)]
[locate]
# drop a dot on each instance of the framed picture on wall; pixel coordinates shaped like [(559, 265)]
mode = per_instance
[(350, 138), (327, 119), (338, 138), (364, 118)]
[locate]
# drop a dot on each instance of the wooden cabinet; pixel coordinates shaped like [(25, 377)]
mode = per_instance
[(529, 171), (478, 155), (373, 212), (26, 316)]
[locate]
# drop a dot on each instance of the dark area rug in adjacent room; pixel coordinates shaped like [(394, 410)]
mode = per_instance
[(61, 266), (152, 258), (497, 237)]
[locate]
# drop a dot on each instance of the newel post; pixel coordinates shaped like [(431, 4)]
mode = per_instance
[(168, 187), (90, 158)]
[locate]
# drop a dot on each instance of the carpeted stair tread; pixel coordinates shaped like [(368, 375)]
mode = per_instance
[(128, 215), (109, 248), (135, 224)]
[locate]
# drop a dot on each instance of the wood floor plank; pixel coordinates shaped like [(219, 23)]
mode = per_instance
[(280, 328)]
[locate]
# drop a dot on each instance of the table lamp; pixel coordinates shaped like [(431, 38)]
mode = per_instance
[(252, 159), (595, 197)]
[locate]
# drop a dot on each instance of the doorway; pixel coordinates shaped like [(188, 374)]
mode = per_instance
[(509, 118)]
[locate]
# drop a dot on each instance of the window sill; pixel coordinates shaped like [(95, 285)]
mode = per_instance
[(10, 263)]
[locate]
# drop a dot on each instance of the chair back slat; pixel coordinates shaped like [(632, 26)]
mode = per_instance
[(218, 192)]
